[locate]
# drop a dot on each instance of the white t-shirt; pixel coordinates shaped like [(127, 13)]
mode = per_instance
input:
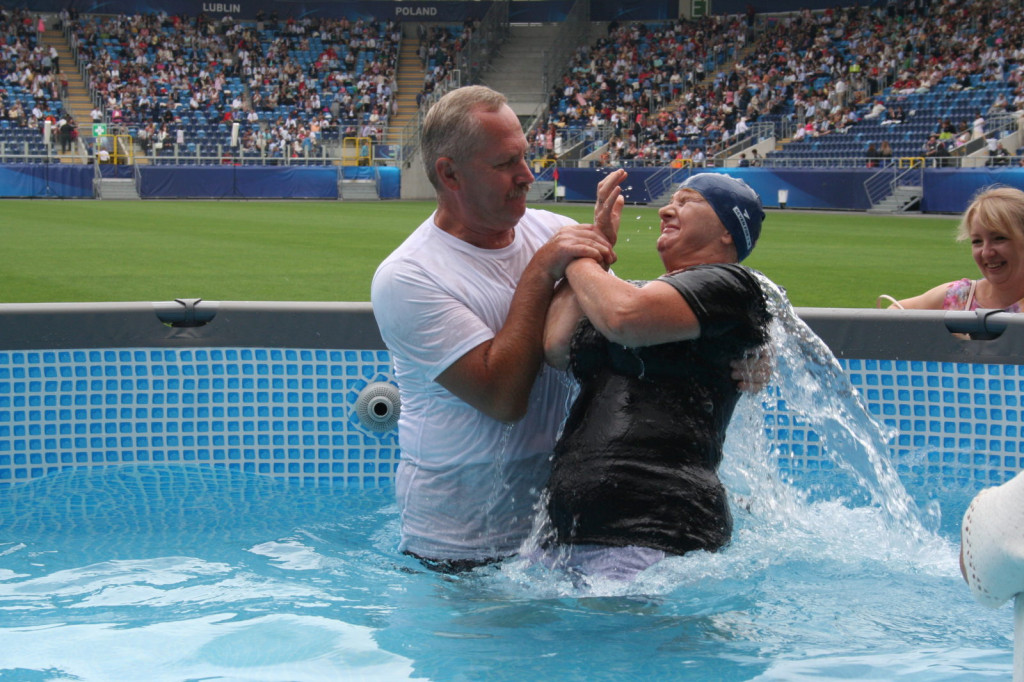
[(467, 483)]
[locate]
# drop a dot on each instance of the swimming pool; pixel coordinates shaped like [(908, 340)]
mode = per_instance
[(256, 539), (158, 572)]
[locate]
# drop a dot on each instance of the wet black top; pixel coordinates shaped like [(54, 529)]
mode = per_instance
[(637, 462)]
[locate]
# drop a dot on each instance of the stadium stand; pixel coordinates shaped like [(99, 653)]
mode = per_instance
[(825, 85), (291, 87), (30, 100), (813, 76)]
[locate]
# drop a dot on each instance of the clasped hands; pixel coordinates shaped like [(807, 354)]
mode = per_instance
[(595, 241), (752, 372)]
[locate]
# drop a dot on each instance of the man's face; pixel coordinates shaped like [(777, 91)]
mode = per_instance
[(494, 181)]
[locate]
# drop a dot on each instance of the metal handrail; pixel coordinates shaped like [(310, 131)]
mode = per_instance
[(492, 31), (758, 132)]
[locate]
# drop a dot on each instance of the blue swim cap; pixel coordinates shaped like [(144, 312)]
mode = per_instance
[(736, 204)]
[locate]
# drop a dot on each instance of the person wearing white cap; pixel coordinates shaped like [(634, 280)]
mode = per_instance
[(634, 475)]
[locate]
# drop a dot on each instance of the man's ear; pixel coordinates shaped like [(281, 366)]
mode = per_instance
[(447, 172)]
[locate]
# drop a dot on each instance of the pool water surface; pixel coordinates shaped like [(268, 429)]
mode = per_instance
[(172, 574)]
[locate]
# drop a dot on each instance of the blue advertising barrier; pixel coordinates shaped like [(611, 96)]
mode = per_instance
[(819, 188), (67, 181), (945, 190), (389, 183), (39, 180), (949, 190), (258, 182), (238, 182)]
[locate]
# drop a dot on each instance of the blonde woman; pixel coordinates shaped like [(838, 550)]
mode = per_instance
[(994, 226)]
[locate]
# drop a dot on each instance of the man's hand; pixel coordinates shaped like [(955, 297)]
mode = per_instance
[(753, 371), (570, 243)]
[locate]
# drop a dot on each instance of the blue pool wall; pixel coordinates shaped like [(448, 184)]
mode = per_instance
[(270, 388)]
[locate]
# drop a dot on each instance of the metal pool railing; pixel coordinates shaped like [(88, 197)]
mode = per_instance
[(298, 391)]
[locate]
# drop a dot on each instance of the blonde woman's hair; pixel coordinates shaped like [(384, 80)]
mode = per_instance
[(1000, 209), (452, 129)]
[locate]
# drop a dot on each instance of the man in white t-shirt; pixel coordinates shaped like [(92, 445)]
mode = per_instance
[(461, 306)]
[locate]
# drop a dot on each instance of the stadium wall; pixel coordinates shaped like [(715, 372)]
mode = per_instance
[(945, 190), (41, 180), (45, 180)]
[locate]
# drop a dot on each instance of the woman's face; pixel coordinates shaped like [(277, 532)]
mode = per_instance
[(690, 228), (999, 257)]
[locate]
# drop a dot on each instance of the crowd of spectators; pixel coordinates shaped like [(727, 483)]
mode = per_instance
[(288, 84), (661, 92), (30, 82), (655, 92), (439, 48), (642, 84), (275, 87)]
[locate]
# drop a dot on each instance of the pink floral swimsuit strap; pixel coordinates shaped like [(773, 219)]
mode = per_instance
[(960, 296)]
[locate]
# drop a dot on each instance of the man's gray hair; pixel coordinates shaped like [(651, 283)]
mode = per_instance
[(451, 129)]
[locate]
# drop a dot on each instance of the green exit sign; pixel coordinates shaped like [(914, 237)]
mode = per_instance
[(699, 8)]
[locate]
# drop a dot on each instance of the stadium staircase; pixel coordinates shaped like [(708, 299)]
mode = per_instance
[(518, 69), (408, 84), (895, 189), (358, 190), (903, 198), (116, 188), (76, 101)]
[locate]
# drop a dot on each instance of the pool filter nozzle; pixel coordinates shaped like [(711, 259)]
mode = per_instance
[(378, 406)]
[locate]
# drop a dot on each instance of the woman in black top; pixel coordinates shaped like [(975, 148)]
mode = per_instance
[(637, 462)]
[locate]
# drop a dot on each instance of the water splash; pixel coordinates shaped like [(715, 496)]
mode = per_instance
[(812, 390), (858, 509), (500, 487)]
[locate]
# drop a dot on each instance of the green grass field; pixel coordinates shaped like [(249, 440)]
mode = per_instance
[(70, 251)]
